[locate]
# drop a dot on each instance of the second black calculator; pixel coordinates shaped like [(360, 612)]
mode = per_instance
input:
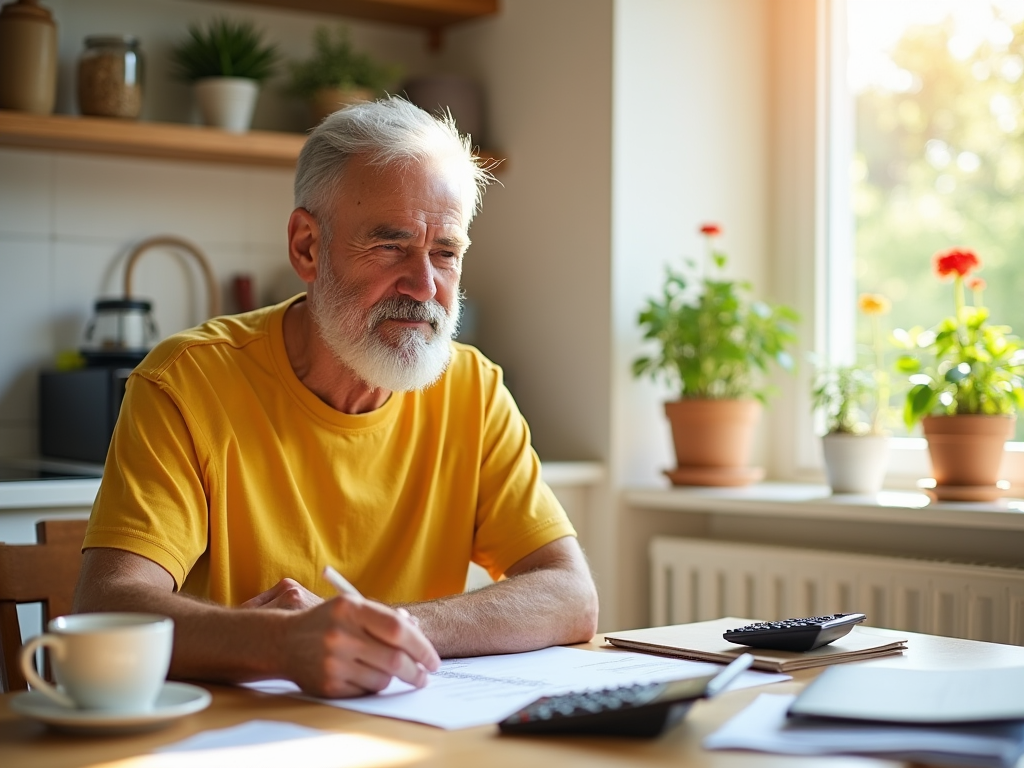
[(795, 634)]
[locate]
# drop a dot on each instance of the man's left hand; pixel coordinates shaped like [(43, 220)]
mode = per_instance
[(287, 594)]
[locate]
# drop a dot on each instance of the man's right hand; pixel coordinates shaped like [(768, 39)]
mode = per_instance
[(350, 646), (346, 646)]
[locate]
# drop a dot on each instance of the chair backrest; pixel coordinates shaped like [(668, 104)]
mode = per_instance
[(45, 573)]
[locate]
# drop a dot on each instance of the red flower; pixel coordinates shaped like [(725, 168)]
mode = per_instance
[(955, 261), (976, 284), (711, 230)]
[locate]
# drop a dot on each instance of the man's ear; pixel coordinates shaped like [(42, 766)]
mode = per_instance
[(304, 244)]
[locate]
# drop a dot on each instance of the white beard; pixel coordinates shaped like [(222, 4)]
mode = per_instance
[(401, 361)]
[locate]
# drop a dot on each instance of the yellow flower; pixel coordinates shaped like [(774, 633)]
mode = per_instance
[(874, 304)]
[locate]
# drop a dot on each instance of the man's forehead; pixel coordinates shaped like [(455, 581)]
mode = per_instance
[(427, 189)]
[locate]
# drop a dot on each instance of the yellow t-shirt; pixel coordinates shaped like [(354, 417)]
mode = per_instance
[(230, 474)]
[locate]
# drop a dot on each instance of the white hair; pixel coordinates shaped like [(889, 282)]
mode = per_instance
[(390, 131)]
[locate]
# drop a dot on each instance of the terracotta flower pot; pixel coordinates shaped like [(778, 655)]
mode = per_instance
[(855, 463), (967, 450), (713, 440)]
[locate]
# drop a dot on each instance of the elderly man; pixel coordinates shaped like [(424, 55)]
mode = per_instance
[(343, 428)]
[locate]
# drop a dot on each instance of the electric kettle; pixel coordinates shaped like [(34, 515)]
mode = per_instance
[(120, 332)]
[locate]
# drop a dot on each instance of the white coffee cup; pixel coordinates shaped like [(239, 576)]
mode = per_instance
[(104, 661)]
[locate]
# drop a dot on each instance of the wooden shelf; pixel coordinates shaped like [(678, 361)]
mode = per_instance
[(110, 136), (169, 141), (426, 14)]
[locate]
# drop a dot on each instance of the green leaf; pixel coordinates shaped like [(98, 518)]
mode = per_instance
[(907, 364), (336, 63), (224, 49)]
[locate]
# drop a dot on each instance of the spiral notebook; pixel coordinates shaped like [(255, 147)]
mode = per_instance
[(703, 641)]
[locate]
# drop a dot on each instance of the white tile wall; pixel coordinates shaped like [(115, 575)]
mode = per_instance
[(67, 224), (26, 193), (113, 199)]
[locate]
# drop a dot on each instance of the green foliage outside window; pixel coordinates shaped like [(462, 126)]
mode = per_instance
[(940, 164)]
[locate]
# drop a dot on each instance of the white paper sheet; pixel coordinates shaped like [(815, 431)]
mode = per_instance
[(486, 689), (763, 727)]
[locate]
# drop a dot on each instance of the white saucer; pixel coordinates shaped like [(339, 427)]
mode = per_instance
[(175, 700)]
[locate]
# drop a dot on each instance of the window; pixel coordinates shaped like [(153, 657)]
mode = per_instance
[(926, 152)]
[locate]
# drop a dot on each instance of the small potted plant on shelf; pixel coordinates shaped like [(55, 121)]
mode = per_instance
[(854, 399), (337, 75), (226, 62), (716, 346), (967, 383)]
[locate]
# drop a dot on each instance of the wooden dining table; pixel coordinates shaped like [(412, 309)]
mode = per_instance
[(355, 740)]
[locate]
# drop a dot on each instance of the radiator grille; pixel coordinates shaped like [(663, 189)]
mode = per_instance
[(698, 580)]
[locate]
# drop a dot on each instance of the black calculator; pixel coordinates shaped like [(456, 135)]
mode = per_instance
[(795, 634), (645, 710)]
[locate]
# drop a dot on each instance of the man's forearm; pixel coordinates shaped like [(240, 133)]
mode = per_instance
[(532, 610), (240, 648)]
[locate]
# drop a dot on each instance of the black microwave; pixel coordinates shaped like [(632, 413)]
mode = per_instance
[(78, 410)]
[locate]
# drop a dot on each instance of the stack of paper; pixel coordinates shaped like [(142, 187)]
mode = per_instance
[(764, 727), (703, 641)]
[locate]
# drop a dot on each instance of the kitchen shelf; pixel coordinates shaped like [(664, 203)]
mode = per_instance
[(427, 14), (111, 136), (169, 141)]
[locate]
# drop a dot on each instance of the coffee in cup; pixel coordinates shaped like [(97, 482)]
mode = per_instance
[(116, 662)]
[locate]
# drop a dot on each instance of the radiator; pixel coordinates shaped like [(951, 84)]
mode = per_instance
[(698, 579)]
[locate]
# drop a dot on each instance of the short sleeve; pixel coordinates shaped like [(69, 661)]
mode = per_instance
[(152, 499)]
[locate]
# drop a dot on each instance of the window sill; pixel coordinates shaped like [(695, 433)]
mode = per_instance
[(797, 501)]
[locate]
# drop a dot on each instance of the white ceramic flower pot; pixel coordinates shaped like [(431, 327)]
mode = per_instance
[(227, 102), (855, 463)]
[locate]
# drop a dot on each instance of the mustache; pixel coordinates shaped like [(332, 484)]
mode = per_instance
[(404, 308)]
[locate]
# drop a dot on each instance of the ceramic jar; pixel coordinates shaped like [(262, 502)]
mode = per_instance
[(28, 58)]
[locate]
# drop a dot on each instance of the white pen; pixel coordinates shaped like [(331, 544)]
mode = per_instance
[(339, 582), (344, 586)]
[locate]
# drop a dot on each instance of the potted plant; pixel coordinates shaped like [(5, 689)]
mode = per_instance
[(854, 400), (716, 345), (337, 75), (226, 62), (966, 385)]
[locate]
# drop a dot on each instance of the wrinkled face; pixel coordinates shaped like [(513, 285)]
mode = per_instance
[(386, 297)]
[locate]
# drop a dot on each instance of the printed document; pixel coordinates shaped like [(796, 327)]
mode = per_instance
[(486, 689)]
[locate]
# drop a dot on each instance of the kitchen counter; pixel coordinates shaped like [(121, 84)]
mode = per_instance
[(48, 494), (80, 492)]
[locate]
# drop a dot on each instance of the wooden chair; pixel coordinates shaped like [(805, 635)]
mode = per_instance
[(45, 573)]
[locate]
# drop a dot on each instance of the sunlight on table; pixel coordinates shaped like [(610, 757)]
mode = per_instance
[(342, 750)]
